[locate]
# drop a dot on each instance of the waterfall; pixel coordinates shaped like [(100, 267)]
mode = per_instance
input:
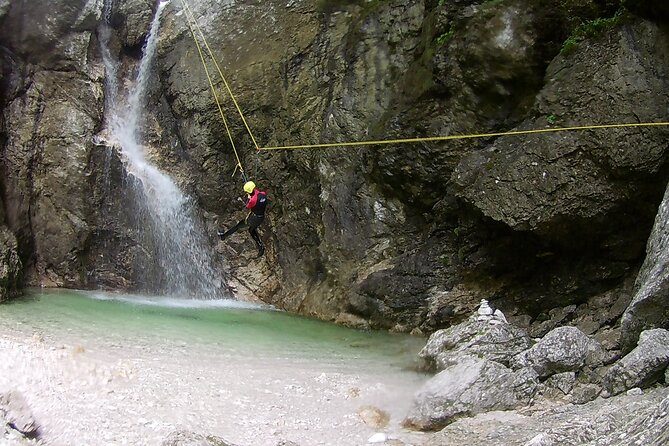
[(111, 65), (181, 252)]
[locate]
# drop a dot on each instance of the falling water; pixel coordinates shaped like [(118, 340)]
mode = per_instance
[(111, 65), (182, 254)]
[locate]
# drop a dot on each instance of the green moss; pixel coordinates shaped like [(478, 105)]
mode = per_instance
[(551, 119), (445, 38), (592, 28)]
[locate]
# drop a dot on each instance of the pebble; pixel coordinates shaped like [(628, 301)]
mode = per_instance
[(378, 437)]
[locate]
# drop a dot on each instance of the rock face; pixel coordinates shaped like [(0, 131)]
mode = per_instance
[(10, 266), (408, 236), (650, 306)]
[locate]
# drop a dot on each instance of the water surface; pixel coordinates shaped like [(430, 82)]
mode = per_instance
[(221, 326), (107, 368)]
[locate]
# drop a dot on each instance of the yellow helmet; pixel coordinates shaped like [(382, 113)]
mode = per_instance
[(249, 186)]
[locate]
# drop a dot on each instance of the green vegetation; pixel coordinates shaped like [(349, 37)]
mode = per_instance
[(552, 119), (445, 37), (592, 28)]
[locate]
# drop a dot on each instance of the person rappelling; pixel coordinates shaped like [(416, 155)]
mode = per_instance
[(256, 202)]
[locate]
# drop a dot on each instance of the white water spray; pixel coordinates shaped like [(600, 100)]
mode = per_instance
[(186, 268), (111, 65)]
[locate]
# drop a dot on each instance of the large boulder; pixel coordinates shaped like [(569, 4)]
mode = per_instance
[(564, 349), (650, 305), (468, 387), (643, 366), (491, 339)]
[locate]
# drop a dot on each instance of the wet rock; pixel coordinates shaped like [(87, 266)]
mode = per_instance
[(352, 321), (562, 350), (643, 366), (468, 387), (51, 214), (136, 15), (10, 264)]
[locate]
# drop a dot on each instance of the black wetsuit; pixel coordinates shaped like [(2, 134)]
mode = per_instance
[(257, 204)]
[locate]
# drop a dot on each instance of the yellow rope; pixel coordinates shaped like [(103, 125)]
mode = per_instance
[(469, 136), (213, 90), (211, 54)]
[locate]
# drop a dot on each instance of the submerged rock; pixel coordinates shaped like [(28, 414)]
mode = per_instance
[(374, 417)]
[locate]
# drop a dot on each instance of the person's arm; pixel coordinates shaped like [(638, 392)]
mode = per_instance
[(252, 201)]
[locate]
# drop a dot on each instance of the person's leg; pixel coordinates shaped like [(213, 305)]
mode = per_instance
[(254, 221), (229, 232), (259, 243)]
